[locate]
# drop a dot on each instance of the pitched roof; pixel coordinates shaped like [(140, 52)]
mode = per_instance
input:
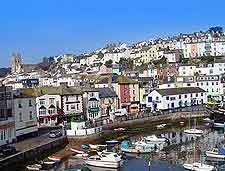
[(106, 92), (176, 91), (124, 80)]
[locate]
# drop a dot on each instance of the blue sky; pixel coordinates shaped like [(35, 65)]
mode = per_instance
[(38, 28)]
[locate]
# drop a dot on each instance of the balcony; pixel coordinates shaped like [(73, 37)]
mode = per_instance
[(93, 109)]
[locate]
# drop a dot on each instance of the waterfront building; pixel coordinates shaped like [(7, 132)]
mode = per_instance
[(25, 114), (165, 99), (109, 101), (91, 103), (128, 93), (7, 117)]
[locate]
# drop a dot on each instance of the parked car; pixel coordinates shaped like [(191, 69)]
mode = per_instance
[(7, 151), (120, 112), (55, 134)]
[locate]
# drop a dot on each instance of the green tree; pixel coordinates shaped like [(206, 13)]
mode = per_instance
[(109, 62)]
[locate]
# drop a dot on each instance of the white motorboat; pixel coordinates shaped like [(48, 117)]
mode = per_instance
[(154, 139), (96, 146), (193, 131), (199, 167), (34, 167), (138, 147), (106, 160), (216, 153)]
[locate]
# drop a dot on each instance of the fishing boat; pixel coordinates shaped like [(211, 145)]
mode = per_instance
[(34, 167), (76, 150), (138, 147), (199, 167), (55, 158), (96, 146), (216, 153), (105, 160), (112, 142), (155, 139)]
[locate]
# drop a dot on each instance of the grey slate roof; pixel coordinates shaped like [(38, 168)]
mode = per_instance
[(106, 92), (176, 91)]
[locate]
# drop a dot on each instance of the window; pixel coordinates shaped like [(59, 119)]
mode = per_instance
[(31, 115), (172, 98), (78, 108), (42, 111), (191, 95), (196, 94), (30, 103), (201, 84), (217, 83), (188, 84), (212, 83), (179, 96), (20, 117), (207, 83), (67, 99), (73, 107), (42, 101), (67, 107), (167, 98), (185, 96), (51, 100), (157, 98), (77, 98), (149, 99), (51, 111), (212, 90), (197, 84), (201, 94), (19, 104)]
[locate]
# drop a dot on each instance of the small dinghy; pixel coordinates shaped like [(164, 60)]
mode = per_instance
[(55, 158), (76, 150), (34, 167), (96, 146)]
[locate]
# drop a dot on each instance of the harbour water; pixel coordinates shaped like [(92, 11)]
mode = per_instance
[(182, 149)]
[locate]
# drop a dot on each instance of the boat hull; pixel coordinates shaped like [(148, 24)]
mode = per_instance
[(104, 164), (214, 155), (218, 125), (136, 151)]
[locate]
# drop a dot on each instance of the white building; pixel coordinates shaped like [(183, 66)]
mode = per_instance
[(25, 115), (165, 99), (186, 70), (211, 84), (7, 117), (47, 109)]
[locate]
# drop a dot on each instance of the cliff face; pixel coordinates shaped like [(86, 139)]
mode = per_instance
[(4, 71)]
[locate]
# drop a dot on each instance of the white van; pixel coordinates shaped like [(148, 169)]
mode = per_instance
[(120, 112)]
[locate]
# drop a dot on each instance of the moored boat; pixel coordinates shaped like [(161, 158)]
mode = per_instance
[(76, 150), (112, 142), (216, 153), (96, 146), (155, 139), (55, 158), (199, 167), (138, 147), (218, 125), (110, 160), (193, 131), (161, 126), (34, 167)]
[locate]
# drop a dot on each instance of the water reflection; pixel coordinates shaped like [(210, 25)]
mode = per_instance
[(183, 148)]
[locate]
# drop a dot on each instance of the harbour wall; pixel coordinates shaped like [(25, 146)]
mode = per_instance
[(170, 117), (30, 154)]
